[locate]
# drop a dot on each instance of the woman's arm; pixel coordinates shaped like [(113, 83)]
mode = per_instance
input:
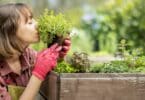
[(32, 89), (45, 61)]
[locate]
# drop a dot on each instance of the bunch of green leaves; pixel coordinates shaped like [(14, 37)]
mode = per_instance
[(138, 65), (135, 58), (50, 25), (131, 61), (96, 68), (64, 67), (138, 70), (115, 67)]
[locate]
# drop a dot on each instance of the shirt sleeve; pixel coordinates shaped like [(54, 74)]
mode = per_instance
[(4, 95)]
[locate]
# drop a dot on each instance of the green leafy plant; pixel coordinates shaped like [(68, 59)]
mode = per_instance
[(96, 68), (53, 28), (80, 61), (64, 67), (115, 67), (140, 69), (132, 61)]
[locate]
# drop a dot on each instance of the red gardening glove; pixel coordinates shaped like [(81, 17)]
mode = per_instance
[(65, 47), (46, 61)]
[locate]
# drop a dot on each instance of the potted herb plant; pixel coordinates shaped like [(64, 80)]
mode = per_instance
[(53, 27)]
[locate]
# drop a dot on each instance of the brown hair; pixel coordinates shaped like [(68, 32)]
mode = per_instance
[(9, 20)]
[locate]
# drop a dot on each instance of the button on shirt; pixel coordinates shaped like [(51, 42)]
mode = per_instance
[(8, 77)]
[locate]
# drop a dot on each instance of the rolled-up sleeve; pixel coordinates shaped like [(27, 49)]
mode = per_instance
[(4, 95)]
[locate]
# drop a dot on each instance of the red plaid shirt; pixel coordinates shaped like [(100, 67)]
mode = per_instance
[(8, 77)]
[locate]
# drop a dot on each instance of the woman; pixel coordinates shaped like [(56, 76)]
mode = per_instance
[(21, 66)]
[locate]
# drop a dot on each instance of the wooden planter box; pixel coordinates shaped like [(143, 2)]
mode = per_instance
[(94, 86)]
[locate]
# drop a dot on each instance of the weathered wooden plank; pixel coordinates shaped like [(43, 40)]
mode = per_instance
[(91, 86), (50, 87)]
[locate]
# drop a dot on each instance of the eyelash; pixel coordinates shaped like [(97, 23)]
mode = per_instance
[(30, 22)]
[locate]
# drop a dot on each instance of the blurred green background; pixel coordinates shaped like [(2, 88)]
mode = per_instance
[(98, 25)]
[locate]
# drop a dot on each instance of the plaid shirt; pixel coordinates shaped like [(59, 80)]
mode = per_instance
[(8, 77)]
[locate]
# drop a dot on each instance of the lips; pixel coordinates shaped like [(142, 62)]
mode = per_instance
[(37, 35)]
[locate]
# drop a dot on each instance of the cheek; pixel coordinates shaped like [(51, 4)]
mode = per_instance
[(30, 29), (25, 31), (22, 34)]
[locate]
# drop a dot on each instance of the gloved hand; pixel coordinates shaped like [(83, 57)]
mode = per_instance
[(46, 61), (65, 47)]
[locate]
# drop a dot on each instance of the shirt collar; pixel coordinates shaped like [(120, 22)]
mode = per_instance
[(5, 69)]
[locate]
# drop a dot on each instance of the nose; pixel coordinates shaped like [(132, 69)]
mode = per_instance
[(36, 23)]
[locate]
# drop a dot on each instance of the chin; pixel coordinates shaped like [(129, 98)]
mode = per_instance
[(37, 39), (34, 41)]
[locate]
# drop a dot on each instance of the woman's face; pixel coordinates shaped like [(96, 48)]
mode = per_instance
[(27, 30)]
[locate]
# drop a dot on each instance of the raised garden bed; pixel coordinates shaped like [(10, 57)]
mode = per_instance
[(94, 86)]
